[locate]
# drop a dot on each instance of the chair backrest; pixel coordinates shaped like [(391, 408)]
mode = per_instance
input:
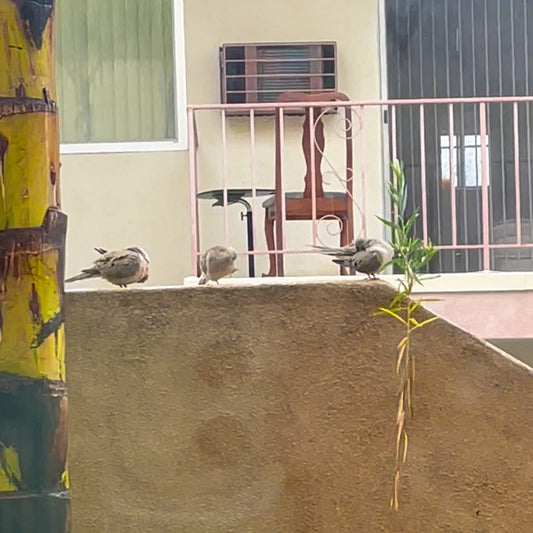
[(313, 145)]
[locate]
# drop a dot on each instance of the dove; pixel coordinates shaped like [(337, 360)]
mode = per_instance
[(217, 262), (366, 262), (367, 256), (119, 267), (384, 249)]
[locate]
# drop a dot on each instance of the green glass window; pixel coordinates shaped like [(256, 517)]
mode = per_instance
[(115, 70)]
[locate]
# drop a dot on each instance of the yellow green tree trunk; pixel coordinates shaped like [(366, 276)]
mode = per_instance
[(34, 495)]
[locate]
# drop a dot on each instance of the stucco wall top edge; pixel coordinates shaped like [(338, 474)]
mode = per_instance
[(229, 287), (238, 294)]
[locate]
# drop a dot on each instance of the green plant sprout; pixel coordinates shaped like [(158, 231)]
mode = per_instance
[(411, 256)]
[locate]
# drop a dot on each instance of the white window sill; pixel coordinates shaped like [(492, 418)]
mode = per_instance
[(123, 147)]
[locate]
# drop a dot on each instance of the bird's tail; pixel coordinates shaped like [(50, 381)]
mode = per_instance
[(203, 280), (101, 250), (346, 263), (332, 251), (343, 262), (85, 274)]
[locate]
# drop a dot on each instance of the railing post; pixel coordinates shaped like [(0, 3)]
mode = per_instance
[(280, 193), (253, 174), (485, 215), (423, 174), (193, 188), (518, 214), (225, 175), (453, 174), (350, 171), (312, 163)]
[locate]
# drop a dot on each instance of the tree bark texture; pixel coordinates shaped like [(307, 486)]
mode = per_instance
[(34, 485)]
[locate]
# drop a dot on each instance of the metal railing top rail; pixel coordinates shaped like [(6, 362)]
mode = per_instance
[(358, 103)]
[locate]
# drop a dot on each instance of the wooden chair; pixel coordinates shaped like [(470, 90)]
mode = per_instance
[(299, 205)]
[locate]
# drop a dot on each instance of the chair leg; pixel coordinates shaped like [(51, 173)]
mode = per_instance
[(280, 269), (345, 235), (269, 235), (345, 232)]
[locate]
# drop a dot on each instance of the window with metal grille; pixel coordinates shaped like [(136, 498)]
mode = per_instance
[(255, 73), (467, 159)]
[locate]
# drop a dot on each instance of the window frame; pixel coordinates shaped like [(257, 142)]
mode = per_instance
[(460, 146), (180, 105)]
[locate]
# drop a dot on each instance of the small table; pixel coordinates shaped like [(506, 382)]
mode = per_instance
[(237, 196)]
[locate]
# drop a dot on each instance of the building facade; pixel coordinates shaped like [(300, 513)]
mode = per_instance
[(125, 78)]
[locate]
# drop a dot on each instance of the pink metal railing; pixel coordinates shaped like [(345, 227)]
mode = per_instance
[(492, 204)]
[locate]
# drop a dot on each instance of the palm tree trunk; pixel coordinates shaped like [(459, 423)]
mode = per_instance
[(34, 486)]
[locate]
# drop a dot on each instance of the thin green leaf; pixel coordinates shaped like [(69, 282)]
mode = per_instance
[(415, 306), (402, 342), (387, 223), (401, 353), (394, 315), (428, 321), (410, 221), (425, 323)]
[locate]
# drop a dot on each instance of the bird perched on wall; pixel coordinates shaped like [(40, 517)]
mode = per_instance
[(217, 262), (119, 267), (367, 256)]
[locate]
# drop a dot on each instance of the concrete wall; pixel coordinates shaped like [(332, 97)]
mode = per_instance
[(266, 409), (116, 200)]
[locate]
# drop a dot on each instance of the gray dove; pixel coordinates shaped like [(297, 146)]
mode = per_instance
[(217, 262), (367, 256), (120, 267), (384, 249)]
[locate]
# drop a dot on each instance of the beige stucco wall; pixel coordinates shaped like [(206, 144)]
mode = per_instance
[(118, 199), (271, 409)]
